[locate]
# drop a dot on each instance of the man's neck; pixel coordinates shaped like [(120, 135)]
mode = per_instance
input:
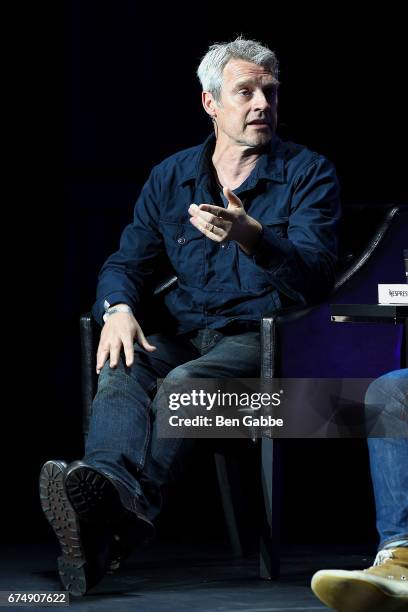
[(234, 163)]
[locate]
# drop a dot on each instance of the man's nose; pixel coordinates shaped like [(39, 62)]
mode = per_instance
[(260, 101)]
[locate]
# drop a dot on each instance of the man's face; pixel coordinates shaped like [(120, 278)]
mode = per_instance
[(247, 114)]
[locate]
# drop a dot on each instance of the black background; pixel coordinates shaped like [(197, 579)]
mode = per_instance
[(108, 90)]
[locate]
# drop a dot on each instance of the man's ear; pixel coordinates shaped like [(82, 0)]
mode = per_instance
[(209, 104)]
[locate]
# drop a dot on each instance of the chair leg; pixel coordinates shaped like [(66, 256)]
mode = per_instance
[(271, 460), (228, 490), (235, 472)]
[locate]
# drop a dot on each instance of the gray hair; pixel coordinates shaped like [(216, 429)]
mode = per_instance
[(214, 61)]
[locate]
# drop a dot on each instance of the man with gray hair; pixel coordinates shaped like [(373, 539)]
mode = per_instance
[(248, 222)]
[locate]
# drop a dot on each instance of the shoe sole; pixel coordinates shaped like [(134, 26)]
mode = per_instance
[(73, 567), (97, 501), (355, 595), (94, 498)]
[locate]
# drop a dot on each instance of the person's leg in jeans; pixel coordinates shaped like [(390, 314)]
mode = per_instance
[(383, 586), (102, 506), (120, 425), (389, 458), (123, 437), (222, 356), (97, 509)]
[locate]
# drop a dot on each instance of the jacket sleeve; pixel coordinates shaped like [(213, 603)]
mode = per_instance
[(123, 275), (302, 266)]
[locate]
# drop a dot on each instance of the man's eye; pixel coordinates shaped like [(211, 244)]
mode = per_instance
[(270, 93)]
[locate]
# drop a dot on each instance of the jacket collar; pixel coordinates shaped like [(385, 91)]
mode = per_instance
[(270, 165)]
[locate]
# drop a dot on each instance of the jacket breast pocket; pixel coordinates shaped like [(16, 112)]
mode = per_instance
[(278, 224), (186, 251), (253, 276)]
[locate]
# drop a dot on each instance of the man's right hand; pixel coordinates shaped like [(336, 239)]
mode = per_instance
[(120, 329)]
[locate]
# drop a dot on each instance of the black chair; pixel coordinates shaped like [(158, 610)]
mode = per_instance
[(371, 246)]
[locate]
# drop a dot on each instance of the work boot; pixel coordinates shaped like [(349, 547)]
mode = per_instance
[(100, 498), (383, 587), (85, 547)]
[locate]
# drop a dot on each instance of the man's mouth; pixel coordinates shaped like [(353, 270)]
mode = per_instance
[(262, 122)]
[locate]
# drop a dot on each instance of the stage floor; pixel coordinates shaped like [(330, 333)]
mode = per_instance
[(201, 578)]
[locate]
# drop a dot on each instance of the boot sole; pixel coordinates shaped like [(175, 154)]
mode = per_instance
[(356, 595), (74, 569), (94, 498)]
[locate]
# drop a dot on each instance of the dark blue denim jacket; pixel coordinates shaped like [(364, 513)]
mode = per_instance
[(292, 191)]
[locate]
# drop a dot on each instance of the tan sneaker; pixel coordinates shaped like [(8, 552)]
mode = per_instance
[(380, 588)]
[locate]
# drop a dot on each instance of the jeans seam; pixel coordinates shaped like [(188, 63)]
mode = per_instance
[(143, 453)]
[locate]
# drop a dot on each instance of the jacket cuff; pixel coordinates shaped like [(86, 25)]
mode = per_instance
[(117, 297), (271, 250)]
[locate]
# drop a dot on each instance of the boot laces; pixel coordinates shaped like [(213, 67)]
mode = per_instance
[(383, 556)]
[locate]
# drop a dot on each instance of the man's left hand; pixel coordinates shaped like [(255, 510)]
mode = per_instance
[(232, 223)]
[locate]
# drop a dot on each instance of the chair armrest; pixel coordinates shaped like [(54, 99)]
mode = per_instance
[(391, 217), (165, 285), (270, 341), (89, 334)]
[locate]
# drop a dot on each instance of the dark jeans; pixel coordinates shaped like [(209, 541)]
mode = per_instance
[(122, 437)]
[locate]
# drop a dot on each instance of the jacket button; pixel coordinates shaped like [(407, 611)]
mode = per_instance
[(181, 240)]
